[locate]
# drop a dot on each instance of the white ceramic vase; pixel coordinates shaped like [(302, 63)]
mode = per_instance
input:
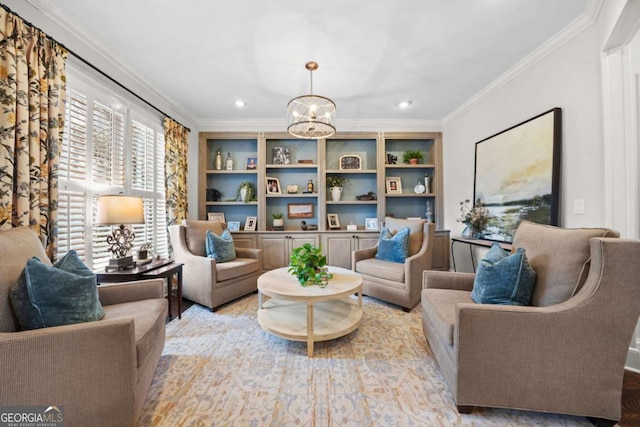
[(278, 222), (243, 194), (336, 193)]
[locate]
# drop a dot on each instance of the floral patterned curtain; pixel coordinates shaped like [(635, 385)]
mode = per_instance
[(32, 96), (176, 139)]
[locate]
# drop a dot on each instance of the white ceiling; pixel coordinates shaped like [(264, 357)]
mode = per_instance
[(203, 55)]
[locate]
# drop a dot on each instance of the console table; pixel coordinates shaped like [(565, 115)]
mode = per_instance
[(163, 269), (471, 243)]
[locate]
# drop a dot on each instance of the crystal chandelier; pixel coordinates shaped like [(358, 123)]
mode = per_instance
[(311, 116)]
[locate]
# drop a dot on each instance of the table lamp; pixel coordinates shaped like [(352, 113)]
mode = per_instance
[(119, 209)]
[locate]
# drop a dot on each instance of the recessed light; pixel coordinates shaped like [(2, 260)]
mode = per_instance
[(403, 105), (240, 103)]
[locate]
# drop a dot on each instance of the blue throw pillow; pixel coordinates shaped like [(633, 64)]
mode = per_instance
[(46, 296), (220, 248), (503, 279), (393, 248)]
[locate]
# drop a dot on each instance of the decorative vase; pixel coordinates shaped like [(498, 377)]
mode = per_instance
[(336, 193), (278, 222), (467, 233), (243, 194)]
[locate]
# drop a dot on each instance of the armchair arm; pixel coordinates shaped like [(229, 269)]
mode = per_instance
[(448, 280), (361, 254), (248, 253), (79, 366), (117, 293)]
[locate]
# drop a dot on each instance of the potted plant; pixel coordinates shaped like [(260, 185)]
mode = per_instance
[(278, 221), (309, 266), (335, 184), (413, 157), (246, 192)]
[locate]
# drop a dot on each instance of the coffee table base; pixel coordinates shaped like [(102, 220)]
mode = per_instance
[(310, 322)]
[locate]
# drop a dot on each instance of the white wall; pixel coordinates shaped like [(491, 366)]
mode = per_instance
[(569, 78)]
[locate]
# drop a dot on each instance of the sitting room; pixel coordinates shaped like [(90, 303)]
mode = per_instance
[(361, 214)]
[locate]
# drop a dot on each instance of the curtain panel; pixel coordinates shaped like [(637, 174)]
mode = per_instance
[(176, 139), (32, 96)]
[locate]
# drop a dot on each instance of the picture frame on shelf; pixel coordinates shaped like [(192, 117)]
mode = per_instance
[(394, 185), (371, 223), (233, 226), (334, 222), (215, 216), (350, 162), (252, 163), (281, 155), (250, 223), (273, 185), (300, 210)]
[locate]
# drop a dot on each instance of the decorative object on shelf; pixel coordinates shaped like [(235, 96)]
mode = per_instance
[(391, 159), (213, 195), (246, 192), (419, 188), (429, 211), (144, 251), (118, 209), (311, 116), (278, 220), (233, 226), (369, 196), (305, 162), (335, 184), (310, 189), (350, 162), (475, 219), (273, 185), (281, 155), (252, 163), (303, 225), (352, 227), (229, 163), (427, 184), (394, 185), (250, 223), (215, 216), (334, 222), (371, 223), (308, 265), (218, 161), (292, 189), (413, 157), (300, 210)]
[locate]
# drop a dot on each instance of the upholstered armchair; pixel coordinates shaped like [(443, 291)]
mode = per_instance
[(204, 280), (564, 353), (100, 371), (394, 282)]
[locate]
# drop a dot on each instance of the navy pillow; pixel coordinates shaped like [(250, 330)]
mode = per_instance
[(393, 248), (503, 279), (221, 247), (46, 296)]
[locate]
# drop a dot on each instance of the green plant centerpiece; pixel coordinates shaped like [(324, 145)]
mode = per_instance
[(246, 192), (309, 266), (408, 155), (337, 181)]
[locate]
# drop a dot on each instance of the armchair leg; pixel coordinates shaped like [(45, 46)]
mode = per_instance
[(601, 422), (463, 409), (406, 310)]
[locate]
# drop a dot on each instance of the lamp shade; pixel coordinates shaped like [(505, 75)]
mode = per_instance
[(119, 209)]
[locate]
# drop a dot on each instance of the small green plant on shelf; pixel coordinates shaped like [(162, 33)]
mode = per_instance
[(309, 266), (277, 215), (408, 155), (337, 181), (246, 192)]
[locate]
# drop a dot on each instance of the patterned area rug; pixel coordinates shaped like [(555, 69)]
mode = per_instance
[(221, 369)]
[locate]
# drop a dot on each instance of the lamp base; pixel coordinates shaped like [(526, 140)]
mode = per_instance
[(116, 264)]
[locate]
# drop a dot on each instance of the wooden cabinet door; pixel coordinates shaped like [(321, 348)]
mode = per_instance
[(338, 249), (299, 240), (366, 241), (275, 251), (440, 252)]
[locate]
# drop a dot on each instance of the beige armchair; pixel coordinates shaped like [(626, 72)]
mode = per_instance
[(565, 353), (99, 371), (393, 282), (204, 280)]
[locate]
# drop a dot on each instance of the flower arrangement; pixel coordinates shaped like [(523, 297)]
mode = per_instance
[(337, 181), (476, 217)]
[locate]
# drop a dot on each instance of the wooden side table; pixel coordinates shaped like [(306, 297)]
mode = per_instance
[(164, 269)]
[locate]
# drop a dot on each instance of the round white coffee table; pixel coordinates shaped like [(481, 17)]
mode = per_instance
[(309, 313)]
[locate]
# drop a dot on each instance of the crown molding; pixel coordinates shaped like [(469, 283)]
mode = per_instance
[(346, 125), (109, 63), (588, 17)]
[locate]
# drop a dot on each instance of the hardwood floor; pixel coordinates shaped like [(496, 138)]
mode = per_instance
[(630, 391)]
